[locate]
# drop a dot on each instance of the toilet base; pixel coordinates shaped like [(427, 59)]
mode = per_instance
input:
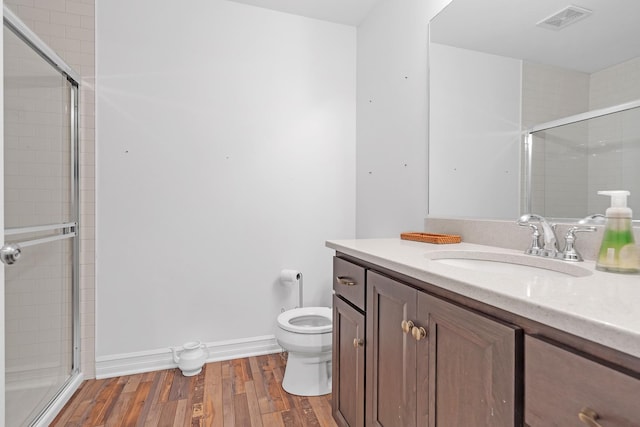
[(308, 374)]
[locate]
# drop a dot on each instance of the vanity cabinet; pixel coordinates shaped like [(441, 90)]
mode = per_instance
[(437, 357), (565, 389), (348, 359), (433, 363)]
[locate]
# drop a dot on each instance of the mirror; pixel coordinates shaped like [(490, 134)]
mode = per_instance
[(494, 73)]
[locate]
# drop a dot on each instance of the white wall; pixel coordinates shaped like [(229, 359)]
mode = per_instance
[(474, 121), (392, 118), (226, 138)]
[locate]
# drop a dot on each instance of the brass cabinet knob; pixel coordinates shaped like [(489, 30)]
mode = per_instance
[(407, 325), (588, 416), (419, 333), (346, 281), (357, 342)]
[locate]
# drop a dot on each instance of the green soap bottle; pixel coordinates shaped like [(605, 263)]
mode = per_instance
[(618, 252)]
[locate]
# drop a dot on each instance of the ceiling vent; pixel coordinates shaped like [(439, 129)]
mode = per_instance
[(565, 17)]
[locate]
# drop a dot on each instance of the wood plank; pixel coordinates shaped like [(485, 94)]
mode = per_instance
[(168, 413), (277, 367), (137, 403), (306, 411), (154, 392), (241, 410), (166, 386), (238, 375), (246, 366), (254, 406), (116, 416), (132, 383), (149, 376), (181, 413), (291, 418), (79, 414), (153, 416), (273, 380), (197, 387), (212, 399), (228, 394), (266, 404), (104, 402), (322, 410), (195, 412), (180, 386), (272, 419)]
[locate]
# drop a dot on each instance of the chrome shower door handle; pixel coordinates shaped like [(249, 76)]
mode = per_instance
[(10, 253)]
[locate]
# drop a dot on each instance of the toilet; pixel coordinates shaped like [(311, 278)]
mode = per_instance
[(306, 334)]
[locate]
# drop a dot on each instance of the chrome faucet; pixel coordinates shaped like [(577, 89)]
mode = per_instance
[(550, 246), (550, 241)]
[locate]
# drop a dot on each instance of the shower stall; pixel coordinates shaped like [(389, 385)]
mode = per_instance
[(41, 227)]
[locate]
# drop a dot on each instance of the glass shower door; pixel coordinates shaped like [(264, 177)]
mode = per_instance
[(40, 231)]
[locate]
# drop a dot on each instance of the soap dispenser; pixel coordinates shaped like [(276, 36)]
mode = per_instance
[(618, 252)]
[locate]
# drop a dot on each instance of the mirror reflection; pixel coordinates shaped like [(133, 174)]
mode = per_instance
[(501, 67), (572, 162)]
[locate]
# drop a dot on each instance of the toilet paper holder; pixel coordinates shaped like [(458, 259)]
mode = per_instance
[(291, 277)]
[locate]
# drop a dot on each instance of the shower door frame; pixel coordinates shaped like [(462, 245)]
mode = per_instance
[(13, 23)]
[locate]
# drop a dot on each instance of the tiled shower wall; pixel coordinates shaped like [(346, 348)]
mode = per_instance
[(68, 27), (615, 85), (550, 93), (614, 141)]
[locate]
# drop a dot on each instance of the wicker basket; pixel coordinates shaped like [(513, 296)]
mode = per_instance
[(431, 238)]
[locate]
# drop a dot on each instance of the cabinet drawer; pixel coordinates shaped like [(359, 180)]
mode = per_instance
[(559, 385), (349, 282)]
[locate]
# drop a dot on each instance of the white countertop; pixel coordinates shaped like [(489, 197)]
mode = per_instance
[(602, 307)]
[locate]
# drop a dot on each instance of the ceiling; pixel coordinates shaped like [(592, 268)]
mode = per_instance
[(609, 36), (348, 12)]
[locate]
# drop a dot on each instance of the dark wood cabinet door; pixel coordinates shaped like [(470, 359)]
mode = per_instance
[(561, 386), (348, 365), (391, 354), (469, 363)]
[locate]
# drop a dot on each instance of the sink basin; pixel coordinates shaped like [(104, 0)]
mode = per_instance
[(509, 264)]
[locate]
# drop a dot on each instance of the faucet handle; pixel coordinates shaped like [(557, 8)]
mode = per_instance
[(570, 253), (534, 248)]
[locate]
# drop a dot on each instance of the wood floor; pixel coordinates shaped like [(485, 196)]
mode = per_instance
[(241, 392)]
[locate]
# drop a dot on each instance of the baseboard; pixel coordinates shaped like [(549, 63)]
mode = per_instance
[(155, 360)]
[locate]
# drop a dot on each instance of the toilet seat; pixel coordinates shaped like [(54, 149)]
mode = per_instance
[(307, 320)]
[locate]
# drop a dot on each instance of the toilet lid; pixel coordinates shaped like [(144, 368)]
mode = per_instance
[(306, 320)]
